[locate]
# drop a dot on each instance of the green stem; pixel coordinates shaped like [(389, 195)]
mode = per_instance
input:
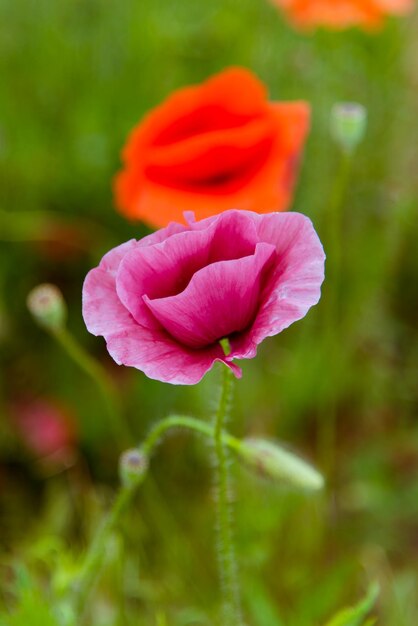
[(231, 605), (190, 423), (103, 381), (333, 343), (90, 569), (91, 566), (335, 231)]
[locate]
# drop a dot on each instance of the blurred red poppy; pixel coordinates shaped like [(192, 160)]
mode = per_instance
[(212, 147), (340, 14)]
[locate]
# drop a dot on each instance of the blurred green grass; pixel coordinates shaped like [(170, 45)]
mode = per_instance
[(75, 77)]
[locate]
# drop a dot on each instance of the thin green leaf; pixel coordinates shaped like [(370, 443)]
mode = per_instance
[(356, 615)]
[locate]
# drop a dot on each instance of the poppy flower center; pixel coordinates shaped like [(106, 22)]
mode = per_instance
[(220, 299)]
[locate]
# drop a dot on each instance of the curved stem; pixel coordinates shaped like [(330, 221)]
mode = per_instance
[(328, 415), (90, 569), (182, 421), (103, 381), (231, 605)]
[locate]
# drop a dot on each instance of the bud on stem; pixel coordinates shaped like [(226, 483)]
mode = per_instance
[(348, 125), (132, 467), (280, 465), (47, 305)]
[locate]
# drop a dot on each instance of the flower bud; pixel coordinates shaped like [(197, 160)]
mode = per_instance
[(348, 124), (274, 462), (132, 466), (47, 305)]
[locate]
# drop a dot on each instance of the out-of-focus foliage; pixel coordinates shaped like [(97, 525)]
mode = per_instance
[(357, 615), (75, 77)]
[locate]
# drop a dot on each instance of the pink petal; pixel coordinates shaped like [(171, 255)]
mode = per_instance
[(152, 351), (161, 357), (166, 268), (236, 234), (102, 310), (162, 234), (295, 285), (220, 299)]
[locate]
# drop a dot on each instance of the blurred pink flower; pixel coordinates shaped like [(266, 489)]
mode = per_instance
[(46, 428), (163, 303)]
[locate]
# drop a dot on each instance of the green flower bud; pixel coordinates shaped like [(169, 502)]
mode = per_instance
[(47, 305), (348, 124), (274, 462), (132, 466)]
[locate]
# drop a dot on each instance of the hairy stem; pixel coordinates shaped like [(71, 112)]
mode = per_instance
[(189, 423), (91, 567), (231, 605)]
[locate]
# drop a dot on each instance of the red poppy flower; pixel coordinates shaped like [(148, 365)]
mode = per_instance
[(341, 14), (212, 147)]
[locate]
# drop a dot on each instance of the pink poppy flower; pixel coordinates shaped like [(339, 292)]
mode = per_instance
[(163, 303)]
